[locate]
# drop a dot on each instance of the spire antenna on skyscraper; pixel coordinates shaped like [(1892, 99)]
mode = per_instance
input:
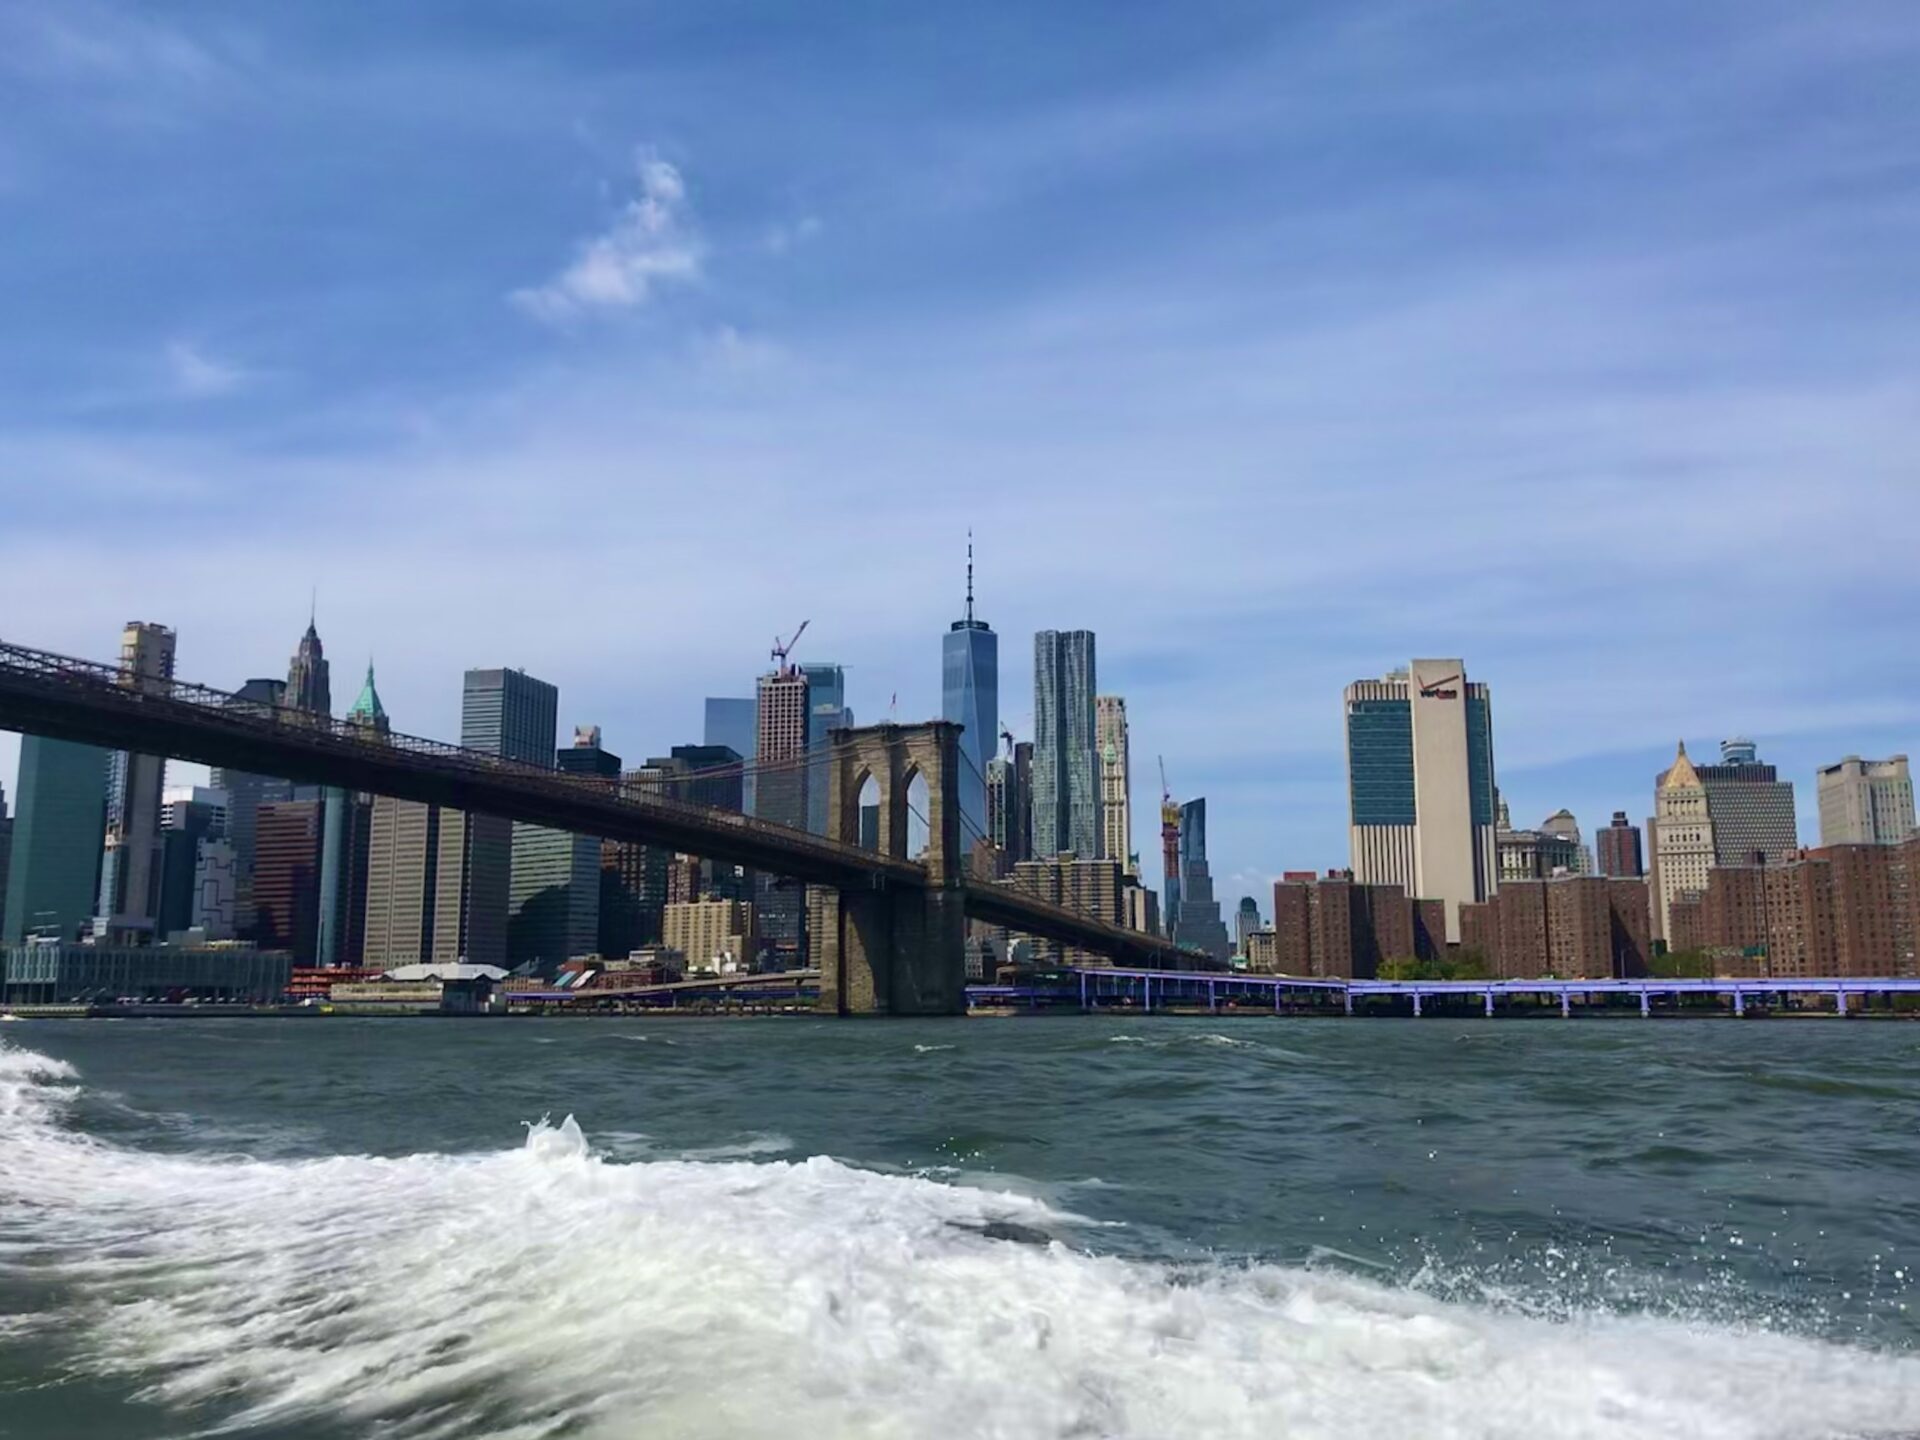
[(970, 698), (969, 575)]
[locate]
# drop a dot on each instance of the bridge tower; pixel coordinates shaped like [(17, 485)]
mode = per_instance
[(892, 949)]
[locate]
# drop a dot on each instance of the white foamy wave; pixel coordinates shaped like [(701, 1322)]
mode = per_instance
[(929, 1049), (1214, 1039), (768, 1144), (542, 1290), (29, 1087), (632, 1145), (564, 1141), (1225, 1040)]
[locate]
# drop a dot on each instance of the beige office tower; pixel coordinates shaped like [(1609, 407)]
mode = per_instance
[(709, 933), (1421, 785), (129, 904), (403, 844), (1866, 802), (1682, 838), (1116, 780)]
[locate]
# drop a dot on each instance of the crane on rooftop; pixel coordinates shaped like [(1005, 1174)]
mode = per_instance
[(782, 649)]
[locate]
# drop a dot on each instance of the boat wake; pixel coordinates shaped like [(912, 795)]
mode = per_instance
[(543, 1290)]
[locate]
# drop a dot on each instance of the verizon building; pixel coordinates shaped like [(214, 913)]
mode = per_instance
[(1420, 784)]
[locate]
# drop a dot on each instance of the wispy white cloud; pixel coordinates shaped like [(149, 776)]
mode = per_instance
[(653, 241), (77, 39), (784, 236), (196, 375), (729, 352)]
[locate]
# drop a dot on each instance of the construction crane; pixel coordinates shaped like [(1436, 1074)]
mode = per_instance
[(1169, 852), (1007, 735), (782, 649)]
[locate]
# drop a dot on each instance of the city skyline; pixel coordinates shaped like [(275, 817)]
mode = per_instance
[(1263, 867), (854, 342)]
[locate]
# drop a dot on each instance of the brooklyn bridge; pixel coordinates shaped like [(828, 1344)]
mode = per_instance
[(894, 925)]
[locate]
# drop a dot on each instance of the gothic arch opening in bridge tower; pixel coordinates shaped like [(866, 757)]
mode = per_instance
[(869, 811), (919, 829)]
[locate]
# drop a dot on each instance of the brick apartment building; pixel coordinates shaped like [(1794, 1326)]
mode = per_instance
[(1572, 927), (1840, 910), (1333, 926)]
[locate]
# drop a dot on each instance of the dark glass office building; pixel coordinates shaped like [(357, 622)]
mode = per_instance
[(1066, 763)]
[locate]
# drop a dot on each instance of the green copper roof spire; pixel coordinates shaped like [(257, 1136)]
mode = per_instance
[(368, 706)]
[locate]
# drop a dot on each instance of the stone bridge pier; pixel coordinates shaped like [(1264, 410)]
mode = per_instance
[(895, 950)]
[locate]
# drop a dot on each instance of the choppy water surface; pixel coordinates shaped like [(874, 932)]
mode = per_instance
[(1167, 1228)]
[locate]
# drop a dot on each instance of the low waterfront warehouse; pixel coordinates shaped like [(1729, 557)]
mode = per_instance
[(55, 974)]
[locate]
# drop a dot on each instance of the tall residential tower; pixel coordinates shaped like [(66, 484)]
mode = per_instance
[(782, 720), (1619, 849), (1066, 770), (1116, 780)]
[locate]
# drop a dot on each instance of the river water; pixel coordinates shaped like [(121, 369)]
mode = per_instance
[(1032, 1227)]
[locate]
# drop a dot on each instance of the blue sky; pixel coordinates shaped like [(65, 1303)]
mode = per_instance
[(1276, 343)]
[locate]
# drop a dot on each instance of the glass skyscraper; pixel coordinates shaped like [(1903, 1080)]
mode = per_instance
[(511, 714), (970, 698), (58, 825), (826, 710), (6, 860), (246, 793), (734, 722), (1198, 925), (554, 912), (1066, 765), (1010, 803)]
